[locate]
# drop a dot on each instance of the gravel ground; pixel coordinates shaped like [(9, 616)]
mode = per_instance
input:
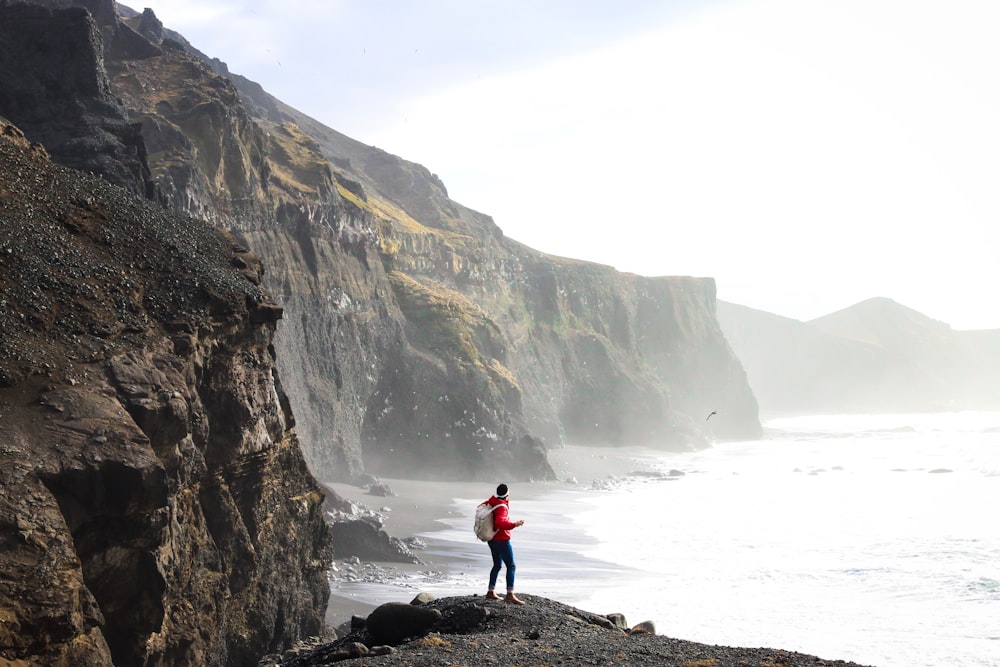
[(86, 267), (472, 631)]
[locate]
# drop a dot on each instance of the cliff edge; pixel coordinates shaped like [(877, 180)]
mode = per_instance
[(471, 630), (418, 339), (155, 507)]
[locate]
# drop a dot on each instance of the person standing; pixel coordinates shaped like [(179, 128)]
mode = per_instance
[(500, 547)]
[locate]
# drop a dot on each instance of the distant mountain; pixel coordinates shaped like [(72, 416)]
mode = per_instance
[(874, 356)]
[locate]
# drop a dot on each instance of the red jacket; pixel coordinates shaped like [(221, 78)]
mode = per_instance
[(501, 520)]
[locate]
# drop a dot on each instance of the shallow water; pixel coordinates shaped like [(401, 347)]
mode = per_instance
[(867, 538)]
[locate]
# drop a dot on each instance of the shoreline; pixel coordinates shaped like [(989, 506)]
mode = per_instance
[(422, 508)]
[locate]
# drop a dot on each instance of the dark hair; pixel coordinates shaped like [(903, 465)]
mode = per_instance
[(501, 491)]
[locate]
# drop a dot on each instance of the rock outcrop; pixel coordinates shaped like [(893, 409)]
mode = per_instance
[(155, 507), (471, 630), (54, 87), (417, 339)]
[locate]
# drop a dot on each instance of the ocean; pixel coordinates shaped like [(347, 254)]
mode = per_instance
[(870, 538)]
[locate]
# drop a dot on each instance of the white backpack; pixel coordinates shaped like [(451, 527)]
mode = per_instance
[(483, 526)]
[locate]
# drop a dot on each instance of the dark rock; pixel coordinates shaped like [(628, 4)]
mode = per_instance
[(463, 617), (472, 631), (618, 620), (166, 494), (393, 622), (644, 628), (54, 87), (381, 490), (359, 537), (423, 598)]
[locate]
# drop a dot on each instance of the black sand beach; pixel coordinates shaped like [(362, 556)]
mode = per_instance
[(466, 629), (418, 506)]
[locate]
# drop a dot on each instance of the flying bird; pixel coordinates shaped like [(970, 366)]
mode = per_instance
[(713, 412)]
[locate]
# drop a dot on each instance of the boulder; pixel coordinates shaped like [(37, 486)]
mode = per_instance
[(361, 538), (422, 599), (644, 628), (618, 620), (393, 622)]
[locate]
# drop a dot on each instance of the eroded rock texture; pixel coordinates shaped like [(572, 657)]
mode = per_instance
[(155, 507), (417, 338)]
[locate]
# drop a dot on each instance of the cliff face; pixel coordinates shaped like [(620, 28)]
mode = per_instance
[(54, 88), (415, 332), (154, 505)]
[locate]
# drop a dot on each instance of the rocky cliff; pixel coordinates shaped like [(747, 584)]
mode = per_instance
[(415, 332), (155, 507), (54, 87)]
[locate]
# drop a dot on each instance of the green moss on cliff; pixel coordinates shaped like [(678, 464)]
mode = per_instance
[(442, 320), (296, 164), (448, 324)]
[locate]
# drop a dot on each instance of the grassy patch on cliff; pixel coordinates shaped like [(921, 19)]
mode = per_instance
[(446, 323), (442, 320), (297, 166)]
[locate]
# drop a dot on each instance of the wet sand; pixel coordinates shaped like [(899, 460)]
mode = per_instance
[(419, 507)]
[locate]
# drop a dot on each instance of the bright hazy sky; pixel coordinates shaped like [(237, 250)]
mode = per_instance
[(807, 154)]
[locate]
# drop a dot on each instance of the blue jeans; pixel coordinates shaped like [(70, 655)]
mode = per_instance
[(502, 553)]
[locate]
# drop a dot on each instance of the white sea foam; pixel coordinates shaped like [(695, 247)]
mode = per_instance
[(870, 538)]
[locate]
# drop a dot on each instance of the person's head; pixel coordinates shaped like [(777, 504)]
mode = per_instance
[(502, 491)]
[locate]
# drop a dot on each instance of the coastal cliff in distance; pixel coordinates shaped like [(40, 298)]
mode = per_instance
[(155, 507), (417, 339), (875, 356)]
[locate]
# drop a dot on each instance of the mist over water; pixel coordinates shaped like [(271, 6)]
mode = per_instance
[(867, 538), (870, 538)]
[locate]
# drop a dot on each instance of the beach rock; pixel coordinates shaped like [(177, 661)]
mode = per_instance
[(423, 598), (380, 489), (414, 542), (473, 632), (359, 538), (393, 622), (644, 628), (357, 650), (618, 620)]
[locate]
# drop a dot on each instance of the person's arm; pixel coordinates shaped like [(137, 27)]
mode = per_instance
[(501, 520)]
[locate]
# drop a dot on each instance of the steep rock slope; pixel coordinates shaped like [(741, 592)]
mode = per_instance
[(414, 330), (155, 507), (666, 363), (344, 338), (874, 356), (502, 343), (53, 86)]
